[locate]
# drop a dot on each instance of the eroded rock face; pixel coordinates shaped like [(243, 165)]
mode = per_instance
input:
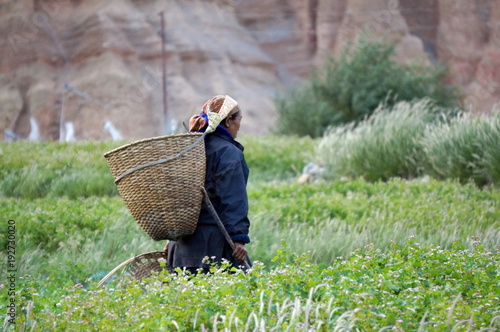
[(83, 64), (483, 93), (89, 62)]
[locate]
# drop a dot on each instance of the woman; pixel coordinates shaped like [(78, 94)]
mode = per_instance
[(225, 183)]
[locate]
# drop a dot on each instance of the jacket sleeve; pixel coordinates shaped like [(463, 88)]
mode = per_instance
[(230, 183)]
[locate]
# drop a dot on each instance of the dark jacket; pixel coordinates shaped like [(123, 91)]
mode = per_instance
[(225, 183)]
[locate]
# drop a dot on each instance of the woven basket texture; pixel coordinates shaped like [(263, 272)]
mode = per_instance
[(144, 265), (165, 199)]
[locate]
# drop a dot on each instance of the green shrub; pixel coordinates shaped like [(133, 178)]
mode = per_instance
[(350, 88), (300, 113)]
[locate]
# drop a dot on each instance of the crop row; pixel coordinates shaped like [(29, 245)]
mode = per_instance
[(406, 288)]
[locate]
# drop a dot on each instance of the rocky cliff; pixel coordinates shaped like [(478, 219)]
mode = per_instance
[(73, 69)]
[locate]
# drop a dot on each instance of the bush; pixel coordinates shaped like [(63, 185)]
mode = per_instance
[(351, 88)]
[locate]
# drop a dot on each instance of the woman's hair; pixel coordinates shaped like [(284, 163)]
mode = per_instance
[(234, 115)]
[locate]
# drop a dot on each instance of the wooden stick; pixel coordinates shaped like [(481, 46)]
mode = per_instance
[(220, 224)]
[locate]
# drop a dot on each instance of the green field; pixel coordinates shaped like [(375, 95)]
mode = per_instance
[(347, 254)]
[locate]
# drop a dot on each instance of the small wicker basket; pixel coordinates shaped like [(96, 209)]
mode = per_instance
[(159, 180), (138, 267)]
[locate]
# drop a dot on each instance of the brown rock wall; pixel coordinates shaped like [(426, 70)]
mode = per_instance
[(79, 63), (484, 91), (460, 45), (328, 23), (84, 63)]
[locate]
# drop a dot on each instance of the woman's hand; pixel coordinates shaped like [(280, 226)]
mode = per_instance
[(240, 252)]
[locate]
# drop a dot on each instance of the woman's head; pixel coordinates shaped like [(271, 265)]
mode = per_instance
[(220, 104), (232, 123)]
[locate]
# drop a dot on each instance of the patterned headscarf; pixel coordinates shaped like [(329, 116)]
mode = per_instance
[(212, 113)]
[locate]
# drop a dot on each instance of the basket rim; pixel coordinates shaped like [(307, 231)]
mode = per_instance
[(145, 140)]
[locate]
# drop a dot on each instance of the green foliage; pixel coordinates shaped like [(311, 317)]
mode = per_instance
[(35, 170), (405, 288), (383, 146), (74, 238), (330, 219), (327, 219), (301, 113), (48, 223), (75, 170), (465, 148), (414, 139), (276, 157), (445, 276), (350, 88)]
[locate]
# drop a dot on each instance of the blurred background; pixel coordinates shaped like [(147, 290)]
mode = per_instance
[(99, 70)]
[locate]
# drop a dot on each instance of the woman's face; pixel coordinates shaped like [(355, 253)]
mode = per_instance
[(233, 125)]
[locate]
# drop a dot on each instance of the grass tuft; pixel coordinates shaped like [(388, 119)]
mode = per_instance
[(383, 146)]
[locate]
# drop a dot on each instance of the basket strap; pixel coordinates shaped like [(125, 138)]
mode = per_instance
[(161, 161)]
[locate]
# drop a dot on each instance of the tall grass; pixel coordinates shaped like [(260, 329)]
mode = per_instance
[(415, 139), (467, 148), (335, 218), (383, 146)]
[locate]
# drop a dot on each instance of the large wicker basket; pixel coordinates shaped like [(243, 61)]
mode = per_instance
[(159, 180)]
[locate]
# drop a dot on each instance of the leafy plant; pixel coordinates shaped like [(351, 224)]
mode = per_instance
[(405, 288), (350, 88)]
